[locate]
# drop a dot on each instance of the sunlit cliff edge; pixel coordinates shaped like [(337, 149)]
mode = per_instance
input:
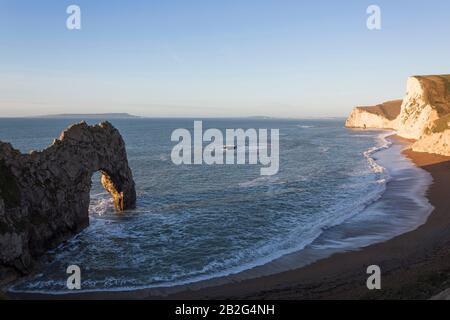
[(381, 116), (423, 115)]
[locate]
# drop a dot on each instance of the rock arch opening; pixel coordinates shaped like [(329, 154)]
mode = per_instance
[(102, 181)]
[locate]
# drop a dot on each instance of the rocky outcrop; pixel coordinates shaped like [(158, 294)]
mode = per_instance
[(381, 116), (424, 115), (44, 196)]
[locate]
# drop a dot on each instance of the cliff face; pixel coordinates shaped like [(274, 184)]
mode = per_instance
[(436, 138), (427, 99), (424, 114), (382, 116), (44, 196)]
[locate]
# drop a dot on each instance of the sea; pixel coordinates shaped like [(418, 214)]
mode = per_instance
[(337, 190)]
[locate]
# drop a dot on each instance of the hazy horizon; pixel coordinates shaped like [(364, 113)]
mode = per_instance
[(126, 115), (287, 59)]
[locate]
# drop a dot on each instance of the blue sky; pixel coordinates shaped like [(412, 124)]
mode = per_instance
[(286, 58)]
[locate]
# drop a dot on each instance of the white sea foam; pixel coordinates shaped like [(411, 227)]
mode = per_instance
[(164, 157), (383, 144), (100, 203), (260, 181), (324, 149)]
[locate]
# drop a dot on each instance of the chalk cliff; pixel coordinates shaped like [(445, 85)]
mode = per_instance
[(427, 100), (382, 116), (424, 114), (436, 138), (44, 196)]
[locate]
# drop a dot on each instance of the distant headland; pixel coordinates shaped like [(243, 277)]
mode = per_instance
[(89, 116)]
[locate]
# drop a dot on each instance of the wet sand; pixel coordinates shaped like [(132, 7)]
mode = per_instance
[(414, 265)]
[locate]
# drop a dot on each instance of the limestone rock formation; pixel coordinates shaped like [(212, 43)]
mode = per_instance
[(44, 196), (381, 116), (436, 138), (424, 114), (427, 100)]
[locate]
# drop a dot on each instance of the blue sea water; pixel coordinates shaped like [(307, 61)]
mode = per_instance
[(195, 222)]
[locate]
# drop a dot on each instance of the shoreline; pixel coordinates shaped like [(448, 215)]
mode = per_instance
[(414, 265), (333, 277)]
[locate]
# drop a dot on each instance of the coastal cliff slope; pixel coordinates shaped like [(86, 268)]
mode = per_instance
[(424, 114), (427, 100), (436, 138), (381, 116), (44, 196)]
